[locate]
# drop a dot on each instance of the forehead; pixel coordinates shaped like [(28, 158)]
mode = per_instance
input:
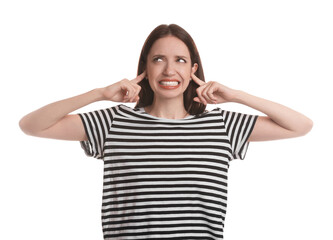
[(169, 45)]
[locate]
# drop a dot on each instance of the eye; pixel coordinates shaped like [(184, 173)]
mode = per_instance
[(182, 60), (157, 59)]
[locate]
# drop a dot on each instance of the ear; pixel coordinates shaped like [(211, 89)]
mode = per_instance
[(194, 68)]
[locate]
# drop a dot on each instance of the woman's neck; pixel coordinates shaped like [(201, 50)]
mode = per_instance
[(167, 108)]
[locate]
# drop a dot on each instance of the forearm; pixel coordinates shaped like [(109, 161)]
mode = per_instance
[(285, 117), (50, 114)]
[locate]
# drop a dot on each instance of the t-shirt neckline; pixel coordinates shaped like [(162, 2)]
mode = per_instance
[(143, 111)]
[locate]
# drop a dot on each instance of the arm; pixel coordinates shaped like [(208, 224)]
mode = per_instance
[(55, 121), (280, 121)]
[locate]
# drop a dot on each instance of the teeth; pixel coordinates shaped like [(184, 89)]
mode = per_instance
[(171, 83)]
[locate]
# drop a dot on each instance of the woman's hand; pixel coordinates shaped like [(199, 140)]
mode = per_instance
[(280, 121), (54, 120), (213, 92), (124, 90)]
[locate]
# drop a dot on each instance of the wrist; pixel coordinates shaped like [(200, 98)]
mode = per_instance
[(98, 94), (239, 96)]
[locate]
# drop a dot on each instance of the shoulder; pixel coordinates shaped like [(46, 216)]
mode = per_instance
[(106, 113), (214, 111), (229, 116), (208, 115), (125, 111)]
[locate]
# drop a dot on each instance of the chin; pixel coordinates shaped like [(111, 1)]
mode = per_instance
[(169, 96)]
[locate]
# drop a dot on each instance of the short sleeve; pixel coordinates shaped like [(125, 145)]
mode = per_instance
[(239, 127), (97, 125)]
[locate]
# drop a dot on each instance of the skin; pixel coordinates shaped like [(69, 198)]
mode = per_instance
[(55, 121), (169, 58), (280, 121)]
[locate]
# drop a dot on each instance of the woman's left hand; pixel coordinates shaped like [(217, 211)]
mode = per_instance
[(213, 92), (280, 121)]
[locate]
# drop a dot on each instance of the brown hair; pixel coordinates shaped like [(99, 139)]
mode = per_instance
[(146, 94)]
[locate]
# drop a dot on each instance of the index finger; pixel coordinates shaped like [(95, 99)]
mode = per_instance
[(197, 80), (139, 77)]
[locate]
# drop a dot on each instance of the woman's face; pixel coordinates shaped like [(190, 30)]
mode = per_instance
[(169, 67)]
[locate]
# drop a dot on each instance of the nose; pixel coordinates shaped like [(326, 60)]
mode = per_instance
[(169, 69)]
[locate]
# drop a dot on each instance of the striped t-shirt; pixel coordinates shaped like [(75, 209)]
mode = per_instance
[(165, 178)]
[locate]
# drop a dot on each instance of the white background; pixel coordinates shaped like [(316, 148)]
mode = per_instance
[(280, 50)]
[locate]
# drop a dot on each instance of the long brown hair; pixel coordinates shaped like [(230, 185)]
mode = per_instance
[(146, 94)]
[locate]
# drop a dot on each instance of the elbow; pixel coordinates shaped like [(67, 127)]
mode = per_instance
[(305, 127), (24, 126)]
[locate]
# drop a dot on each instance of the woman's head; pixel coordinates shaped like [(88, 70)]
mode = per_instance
[(164, 55)]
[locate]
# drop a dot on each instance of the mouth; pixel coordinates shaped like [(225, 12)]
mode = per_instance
[(169, 83)]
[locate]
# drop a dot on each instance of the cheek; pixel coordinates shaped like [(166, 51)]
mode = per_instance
[(153, 71), (186, 83), (185, 73)]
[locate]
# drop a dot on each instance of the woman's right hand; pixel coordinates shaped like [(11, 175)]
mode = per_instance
[(124, 90), (54, 120)]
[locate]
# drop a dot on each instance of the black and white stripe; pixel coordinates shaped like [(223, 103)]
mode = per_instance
[(164, 178)]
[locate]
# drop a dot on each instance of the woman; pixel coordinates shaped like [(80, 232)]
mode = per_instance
[(166, 160)]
